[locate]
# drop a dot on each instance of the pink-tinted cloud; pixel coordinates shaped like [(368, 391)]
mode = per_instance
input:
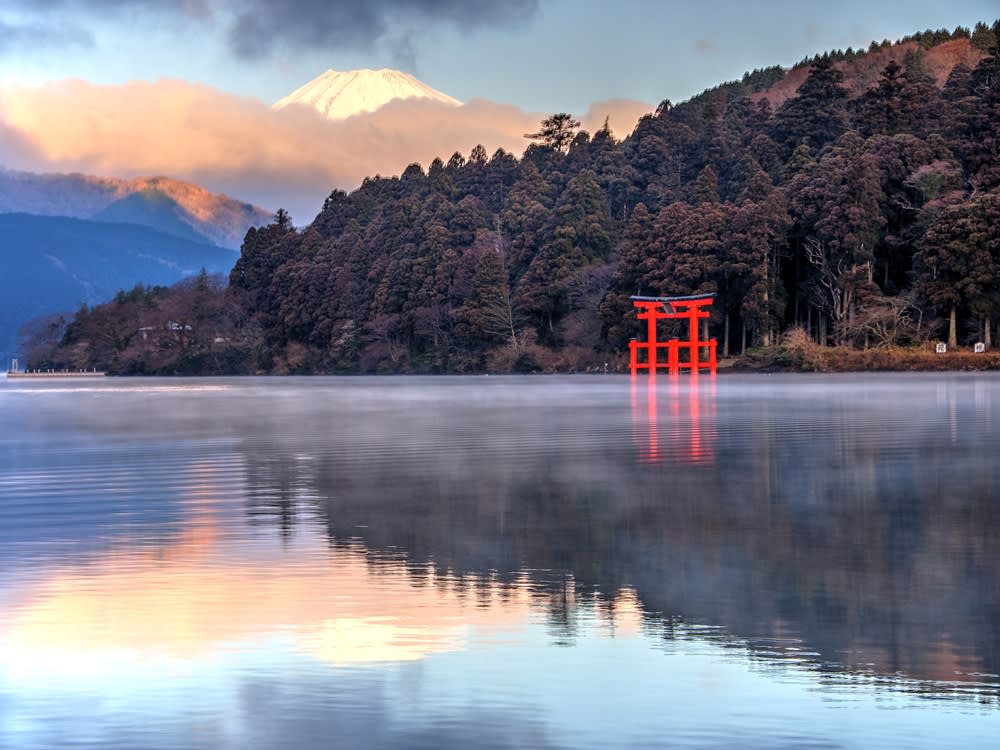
[(238, 145), (16, 150), (621, 114)]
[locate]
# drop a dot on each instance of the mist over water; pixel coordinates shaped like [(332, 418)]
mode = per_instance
[(556, 562)]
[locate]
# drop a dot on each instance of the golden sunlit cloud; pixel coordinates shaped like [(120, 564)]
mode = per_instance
[(292, 157)]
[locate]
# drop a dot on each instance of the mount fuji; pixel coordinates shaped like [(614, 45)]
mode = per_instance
[(339, 95)]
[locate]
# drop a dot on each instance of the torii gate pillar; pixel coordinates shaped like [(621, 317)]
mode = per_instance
[(653, 309)]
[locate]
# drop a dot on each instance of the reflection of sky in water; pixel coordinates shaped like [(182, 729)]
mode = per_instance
[(143, 606)]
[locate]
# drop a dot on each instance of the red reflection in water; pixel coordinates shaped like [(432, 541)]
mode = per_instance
[(689, 412)]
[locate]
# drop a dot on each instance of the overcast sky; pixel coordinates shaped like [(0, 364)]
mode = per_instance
[(540, 55)]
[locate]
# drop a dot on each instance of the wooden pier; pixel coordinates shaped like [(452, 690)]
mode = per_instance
[(56, 374)]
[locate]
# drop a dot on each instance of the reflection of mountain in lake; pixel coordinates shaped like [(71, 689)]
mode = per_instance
[(859, 529)]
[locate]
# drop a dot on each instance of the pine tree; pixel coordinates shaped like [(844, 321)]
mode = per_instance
[(817, 115), (580, 233), (838, 224), (959, 258), (557, 131)]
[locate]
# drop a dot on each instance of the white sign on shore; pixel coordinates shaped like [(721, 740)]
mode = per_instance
[(979, 348), (941, 347)]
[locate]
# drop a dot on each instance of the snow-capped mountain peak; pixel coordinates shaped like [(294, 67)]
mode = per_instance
[(340, 95)]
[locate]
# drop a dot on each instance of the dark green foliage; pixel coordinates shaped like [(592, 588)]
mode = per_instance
[(981, 121), (959, 257), (838, 223), (486, 317), (749, 182), (983, 37), (881, 107), (706, 187), (817, 115), (579, 233), (857, 215)]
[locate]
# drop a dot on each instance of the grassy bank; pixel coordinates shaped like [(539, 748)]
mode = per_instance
[(800, 354)]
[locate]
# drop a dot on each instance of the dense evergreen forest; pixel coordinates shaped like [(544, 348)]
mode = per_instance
[(855, 198)]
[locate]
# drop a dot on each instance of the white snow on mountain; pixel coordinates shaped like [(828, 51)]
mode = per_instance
[(340, 95)]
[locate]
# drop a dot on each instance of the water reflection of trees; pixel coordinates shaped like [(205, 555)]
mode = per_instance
[(847, 542)]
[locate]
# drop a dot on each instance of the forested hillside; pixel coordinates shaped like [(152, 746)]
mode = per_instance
[(861, 204)]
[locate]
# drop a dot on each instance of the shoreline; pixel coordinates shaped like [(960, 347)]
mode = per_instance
[(791, 359), (56, 374), (814, 358)]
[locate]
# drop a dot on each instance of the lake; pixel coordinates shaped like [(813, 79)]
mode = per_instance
[(766, 561)]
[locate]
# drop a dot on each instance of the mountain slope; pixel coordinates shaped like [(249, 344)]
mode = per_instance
[(339, 95), (215, 217), (151, 208), (862, 73), (53, 264)]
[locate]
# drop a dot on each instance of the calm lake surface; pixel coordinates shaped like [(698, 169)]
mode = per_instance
[(779, 561)]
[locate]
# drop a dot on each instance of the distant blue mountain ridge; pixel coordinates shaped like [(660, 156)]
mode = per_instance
[(52, 263), (170, 205)]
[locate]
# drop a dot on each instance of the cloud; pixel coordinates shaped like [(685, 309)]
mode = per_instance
[(58, 24), (16, 150), (254, 29), (404, 51), (291, 157), (261, 25), (28, 36), (192, 7), (621, 114)]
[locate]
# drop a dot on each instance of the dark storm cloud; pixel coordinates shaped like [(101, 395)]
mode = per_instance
[(254, 28), (260, 25)]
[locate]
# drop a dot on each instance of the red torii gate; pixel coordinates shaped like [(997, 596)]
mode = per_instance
[(652, 309)]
